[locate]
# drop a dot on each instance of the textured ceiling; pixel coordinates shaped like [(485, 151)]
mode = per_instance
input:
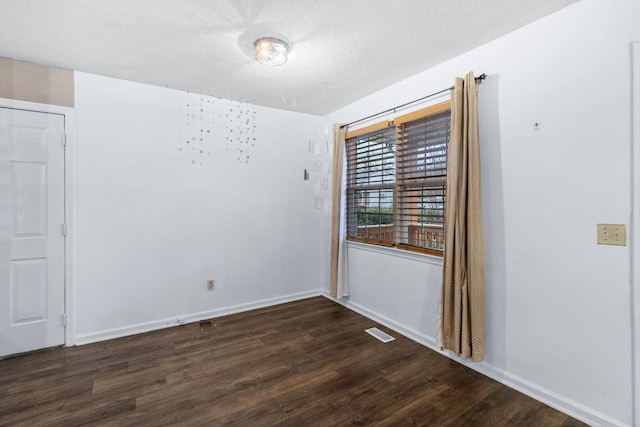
[(341, 50)]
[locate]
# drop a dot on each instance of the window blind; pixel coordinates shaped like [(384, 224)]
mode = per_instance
[(422, 174), (371, 177), (396, 180)]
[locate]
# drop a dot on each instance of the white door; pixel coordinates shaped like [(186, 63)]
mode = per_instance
[(31, 230)]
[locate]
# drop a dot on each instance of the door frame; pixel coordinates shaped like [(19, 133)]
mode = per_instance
[(69, 203), (635, 232)]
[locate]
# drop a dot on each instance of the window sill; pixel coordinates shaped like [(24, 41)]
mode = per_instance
[(414, 256)]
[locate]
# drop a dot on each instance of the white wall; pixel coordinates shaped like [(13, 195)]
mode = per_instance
[(156, 219), (558, 304)]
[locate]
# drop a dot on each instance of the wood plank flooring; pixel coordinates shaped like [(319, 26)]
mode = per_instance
[(305, 363)]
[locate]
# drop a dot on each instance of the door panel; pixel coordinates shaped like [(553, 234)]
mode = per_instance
[(28, 290), (30, 199), (31, 240)]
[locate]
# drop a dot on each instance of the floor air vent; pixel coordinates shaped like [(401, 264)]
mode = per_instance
[(377, 333)]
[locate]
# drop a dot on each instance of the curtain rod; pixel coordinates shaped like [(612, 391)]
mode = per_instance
[(393, 110)]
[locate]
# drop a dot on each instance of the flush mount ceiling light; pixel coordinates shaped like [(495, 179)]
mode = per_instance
[(271, 51)]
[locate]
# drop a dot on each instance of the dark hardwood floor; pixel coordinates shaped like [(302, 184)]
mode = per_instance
[(305, 363)]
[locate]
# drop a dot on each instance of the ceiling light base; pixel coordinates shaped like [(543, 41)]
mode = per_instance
[(271, 51)]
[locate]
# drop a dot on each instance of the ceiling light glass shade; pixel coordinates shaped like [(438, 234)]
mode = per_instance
[(271, 51)]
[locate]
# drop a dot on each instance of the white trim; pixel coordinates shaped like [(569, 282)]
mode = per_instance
[(70, 200), (70, 183), (635, 233), (34, 106), (140, 328), (548, 397), (414, 256)]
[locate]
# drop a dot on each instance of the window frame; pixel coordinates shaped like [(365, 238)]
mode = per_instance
[(400, 187)]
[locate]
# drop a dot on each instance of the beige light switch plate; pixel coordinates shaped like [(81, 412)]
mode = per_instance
[(612, 234)]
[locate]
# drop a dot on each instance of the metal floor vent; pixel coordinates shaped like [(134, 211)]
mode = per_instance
[(377, 333)]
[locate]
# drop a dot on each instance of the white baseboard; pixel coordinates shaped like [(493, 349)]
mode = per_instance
[(188, 318), (548, 397), (383, 320)]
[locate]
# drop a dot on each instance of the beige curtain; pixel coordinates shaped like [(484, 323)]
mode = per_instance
[(338, 279), (462, 308)]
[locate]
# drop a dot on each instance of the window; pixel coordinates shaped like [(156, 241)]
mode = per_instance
[(396, 178)]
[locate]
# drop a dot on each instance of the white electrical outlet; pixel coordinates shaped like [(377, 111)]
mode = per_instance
[(209, 285)]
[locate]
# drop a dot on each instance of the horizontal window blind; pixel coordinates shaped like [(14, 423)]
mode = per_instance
[(371, 176), (422, 174)]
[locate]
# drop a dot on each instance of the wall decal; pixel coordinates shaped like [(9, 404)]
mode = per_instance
[(327, 207), (212, 124), (321, 154)]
